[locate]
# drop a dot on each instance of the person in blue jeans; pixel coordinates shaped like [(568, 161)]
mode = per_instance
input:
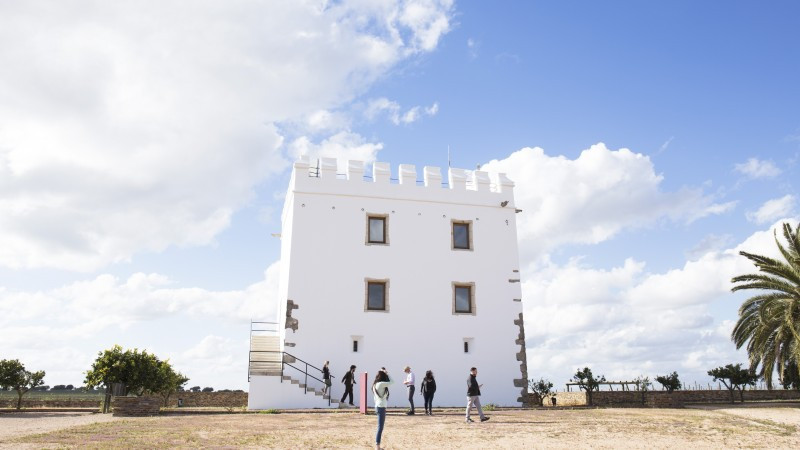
[(380, 392)]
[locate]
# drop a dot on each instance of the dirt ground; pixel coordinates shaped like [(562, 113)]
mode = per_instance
[(771, 427)]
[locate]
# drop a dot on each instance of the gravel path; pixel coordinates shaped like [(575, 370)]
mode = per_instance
[(14, 425)]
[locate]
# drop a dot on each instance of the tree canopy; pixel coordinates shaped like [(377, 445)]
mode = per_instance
[(669, 382), (734, 377), (541, 388), (769, 322), (13, 375), (140, 372), (587, 382)]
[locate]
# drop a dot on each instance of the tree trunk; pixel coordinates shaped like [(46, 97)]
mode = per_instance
[(166, 398), (20, 393), (741, 395), (733, 399)]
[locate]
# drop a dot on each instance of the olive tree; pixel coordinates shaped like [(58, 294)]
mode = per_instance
[(13, 375), (542, 389), (734, 377), (587, 382), (670, 382), (139, 372)]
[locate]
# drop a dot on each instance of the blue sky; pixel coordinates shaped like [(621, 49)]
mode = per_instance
[(144, 153)]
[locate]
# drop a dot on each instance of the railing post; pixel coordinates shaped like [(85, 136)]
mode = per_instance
[(306, 378)]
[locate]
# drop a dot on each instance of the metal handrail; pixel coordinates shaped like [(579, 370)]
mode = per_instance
[(305, 372)]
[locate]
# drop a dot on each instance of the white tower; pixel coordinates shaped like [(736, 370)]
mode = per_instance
[(378, 272)]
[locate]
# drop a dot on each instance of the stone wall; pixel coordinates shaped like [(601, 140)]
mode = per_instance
[(663, 399), (208, 399), (136, 406), (65, 402), (190, 399)]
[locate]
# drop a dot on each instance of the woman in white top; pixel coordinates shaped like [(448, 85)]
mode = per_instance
[(380, 392)]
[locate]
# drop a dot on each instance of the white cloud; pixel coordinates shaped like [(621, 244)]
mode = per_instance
[(59, 330), (378, 106), (343, 145), (756, 168), (774, 209), (624, 321), (125, 130), (472, 48), (593, 197), (83, 309)]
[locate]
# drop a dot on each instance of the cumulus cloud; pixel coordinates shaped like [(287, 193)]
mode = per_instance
[(59, 330), (593, 197), (343, 145), (83, 309), (383, 106), (123, 129), (756, 168), (624, 321), (774, 209)]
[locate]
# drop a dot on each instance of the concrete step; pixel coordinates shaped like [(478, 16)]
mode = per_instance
[(265, 373)]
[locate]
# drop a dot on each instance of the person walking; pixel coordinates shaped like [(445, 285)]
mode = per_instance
[(474, 395), (380, 393), (428, 388), (409, 382), (326, 378), (349, 379)]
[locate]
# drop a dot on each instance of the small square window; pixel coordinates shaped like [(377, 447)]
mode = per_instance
[(462, 240), (376, 230), (462, 299), (376, 295)]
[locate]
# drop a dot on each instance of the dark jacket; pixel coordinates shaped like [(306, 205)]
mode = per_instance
[(326, 373), (472, 386), (428, 386), (348, 378)]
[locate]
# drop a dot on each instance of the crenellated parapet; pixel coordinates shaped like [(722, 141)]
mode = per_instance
[(406, 175)]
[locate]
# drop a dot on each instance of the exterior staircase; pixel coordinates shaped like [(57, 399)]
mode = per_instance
[(265, 356), (267, 359), (317, 392)]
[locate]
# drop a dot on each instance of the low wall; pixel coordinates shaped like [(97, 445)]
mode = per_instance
[(51, 403), (208, 399), (663, 399), (190, 399), (136, 406)]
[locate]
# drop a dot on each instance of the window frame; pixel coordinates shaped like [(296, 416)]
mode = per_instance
[(468, 223), (385, 219), (471, 286), (385, 283)]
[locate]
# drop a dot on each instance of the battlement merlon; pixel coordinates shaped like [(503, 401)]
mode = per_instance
[(469, 187)]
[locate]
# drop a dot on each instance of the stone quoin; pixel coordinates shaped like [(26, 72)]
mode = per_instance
[(379, 271)]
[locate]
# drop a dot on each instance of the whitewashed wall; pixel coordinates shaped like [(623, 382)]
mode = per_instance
[(324, 263)]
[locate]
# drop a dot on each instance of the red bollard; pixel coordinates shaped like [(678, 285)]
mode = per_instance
[(362, 393)]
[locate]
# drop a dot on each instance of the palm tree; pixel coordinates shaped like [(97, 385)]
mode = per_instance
[(769, 323)]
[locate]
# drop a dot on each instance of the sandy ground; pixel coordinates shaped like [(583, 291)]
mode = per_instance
[(595, 428), (14, 425)]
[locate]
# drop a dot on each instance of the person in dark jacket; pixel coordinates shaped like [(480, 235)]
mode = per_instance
[(427, 389), (326, 377), (474, 395), (349, 379)]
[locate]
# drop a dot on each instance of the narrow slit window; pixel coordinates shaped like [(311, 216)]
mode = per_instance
[(376, 296), (376, 230), (466, 346), (461, 236), (355, 346)]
